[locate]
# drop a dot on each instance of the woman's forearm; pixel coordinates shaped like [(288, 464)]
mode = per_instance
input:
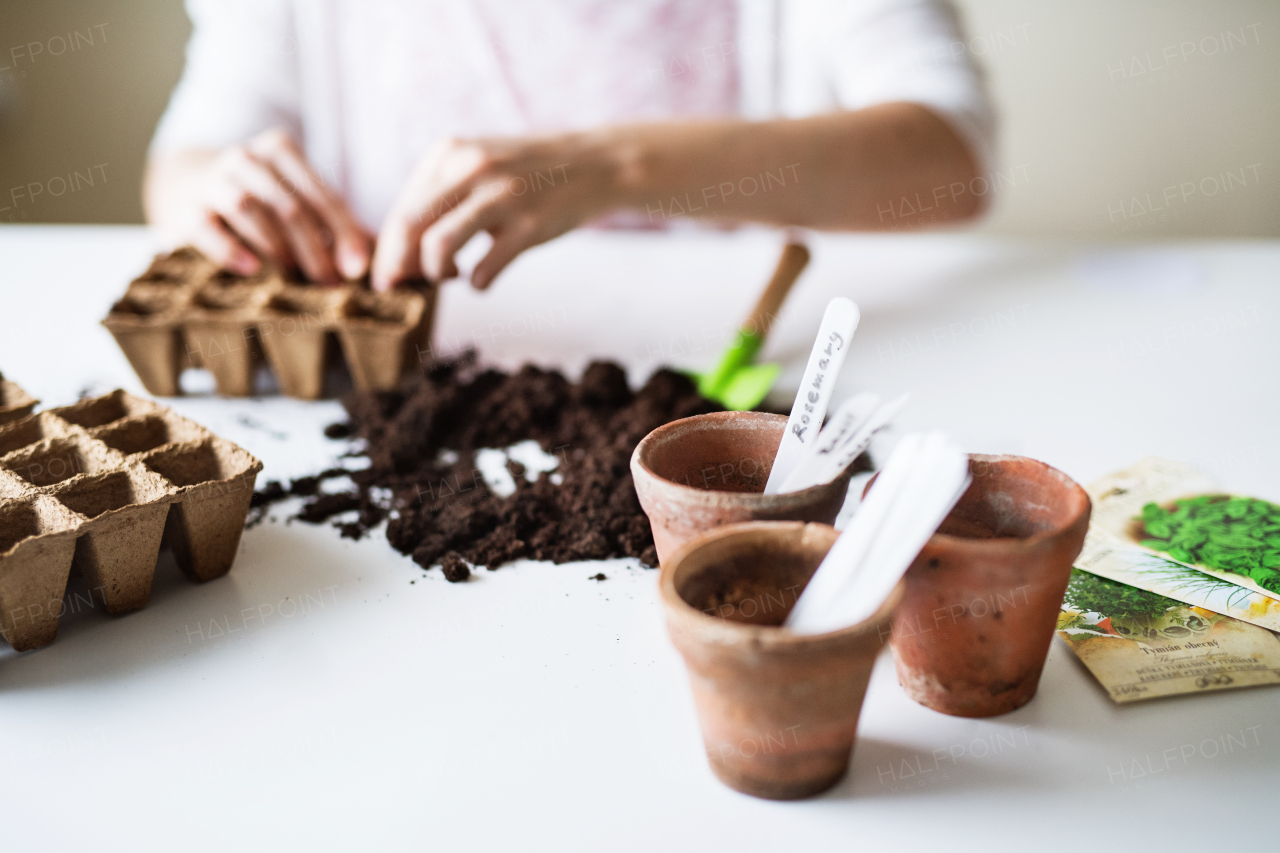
[(876, 168), (840, 171)]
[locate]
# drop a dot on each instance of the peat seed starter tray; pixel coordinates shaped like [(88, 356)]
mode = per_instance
[(185, 312), (102, 484), (14, 402)]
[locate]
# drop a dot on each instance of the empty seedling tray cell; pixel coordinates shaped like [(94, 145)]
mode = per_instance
[(214, 484), (147, 432), (29, 430), (378, 333), (125, 514), (294, 333), (99, 411), (219, 335), (15, 403), (53, 460), (37, 542)]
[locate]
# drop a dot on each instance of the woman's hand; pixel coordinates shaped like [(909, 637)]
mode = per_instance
[(254, 202), (836, 171), (521, 191)]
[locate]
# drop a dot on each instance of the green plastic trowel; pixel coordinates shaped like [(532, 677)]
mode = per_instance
[(736, 382)]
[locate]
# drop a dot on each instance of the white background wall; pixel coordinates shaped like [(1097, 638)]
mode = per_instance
[(1105, 103)]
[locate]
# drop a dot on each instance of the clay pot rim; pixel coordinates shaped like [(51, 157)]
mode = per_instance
[(716, 498), (1006, 545), (762, 638)]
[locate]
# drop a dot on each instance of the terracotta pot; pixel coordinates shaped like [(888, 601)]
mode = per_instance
[(982, 598), (778, 711), (696, 474)]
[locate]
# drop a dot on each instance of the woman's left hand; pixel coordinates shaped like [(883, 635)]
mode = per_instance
[(521, 191)]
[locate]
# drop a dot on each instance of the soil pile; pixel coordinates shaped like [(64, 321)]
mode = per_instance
[(421, 444)]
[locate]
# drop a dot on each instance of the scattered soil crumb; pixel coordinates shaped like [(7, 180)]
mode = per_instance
[(454, 567), (270, 493), (337, 431)]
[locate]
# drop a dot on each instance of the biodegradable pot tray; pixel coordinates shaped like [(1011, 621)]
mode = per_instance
[(102, 484), (185, 312), (14, 402)]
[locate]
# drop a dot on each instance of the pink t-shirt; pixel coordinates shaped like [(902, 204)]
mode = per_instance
[(493, 68)]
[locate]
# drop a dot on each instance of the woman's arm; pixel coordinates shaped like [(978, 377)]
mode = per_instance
[(840, 171)]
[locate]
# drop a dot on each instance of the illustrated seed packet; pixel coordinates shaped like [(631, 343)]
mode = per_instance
[(1177, 589), (1109, 557), (1142, 645), (1171, 509)]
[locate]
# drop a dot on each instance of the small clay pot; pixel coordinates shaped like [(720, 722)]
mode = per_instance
[(699, 473), (982, 598), (778, 710)]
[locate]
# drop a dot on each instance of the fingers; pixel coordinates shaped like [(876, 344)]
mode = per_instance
[(397, 257), (217, 243), (443, 182), (267, 198), (295, 221), (251, 221), (507, 244), (462, 188), (452, 231), (351, 244)]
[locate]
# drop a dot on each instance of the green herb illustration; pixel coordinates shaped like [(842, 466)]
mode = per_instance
[(1133, 613), (1193, 582), (1232, 534), (1090, 593)]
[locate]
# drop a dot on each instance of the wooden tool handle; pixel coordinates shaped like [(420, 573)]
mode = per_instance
[(795, 257)]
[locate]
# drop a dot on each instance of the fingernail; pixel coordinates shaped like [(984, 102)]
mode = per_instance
[(353, 263), (245, 263)]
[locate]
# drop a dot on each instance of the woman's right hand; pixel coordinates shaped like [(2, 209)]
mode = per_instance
[(258, 201)]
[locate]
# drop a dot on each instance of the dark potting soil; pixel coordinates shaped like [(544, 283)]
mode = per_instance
[(337, 431), (442, 512)]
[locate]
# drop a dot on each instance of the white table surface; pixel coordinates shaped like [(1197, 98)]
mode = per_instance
[(532, 709)]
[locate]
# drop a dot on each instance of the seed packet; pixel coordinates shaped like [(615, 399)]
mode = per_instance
[(1109, 557), (1141, 645), (1172, 510)]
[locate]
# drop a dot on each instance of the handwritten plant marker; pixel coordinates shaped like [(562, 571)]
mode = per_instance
[(849, 432), (924, 478), (810, 407)]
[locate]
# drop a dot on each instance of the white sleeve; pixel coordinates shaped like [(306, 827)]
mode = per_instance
[(241, 76), (880, 51)]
